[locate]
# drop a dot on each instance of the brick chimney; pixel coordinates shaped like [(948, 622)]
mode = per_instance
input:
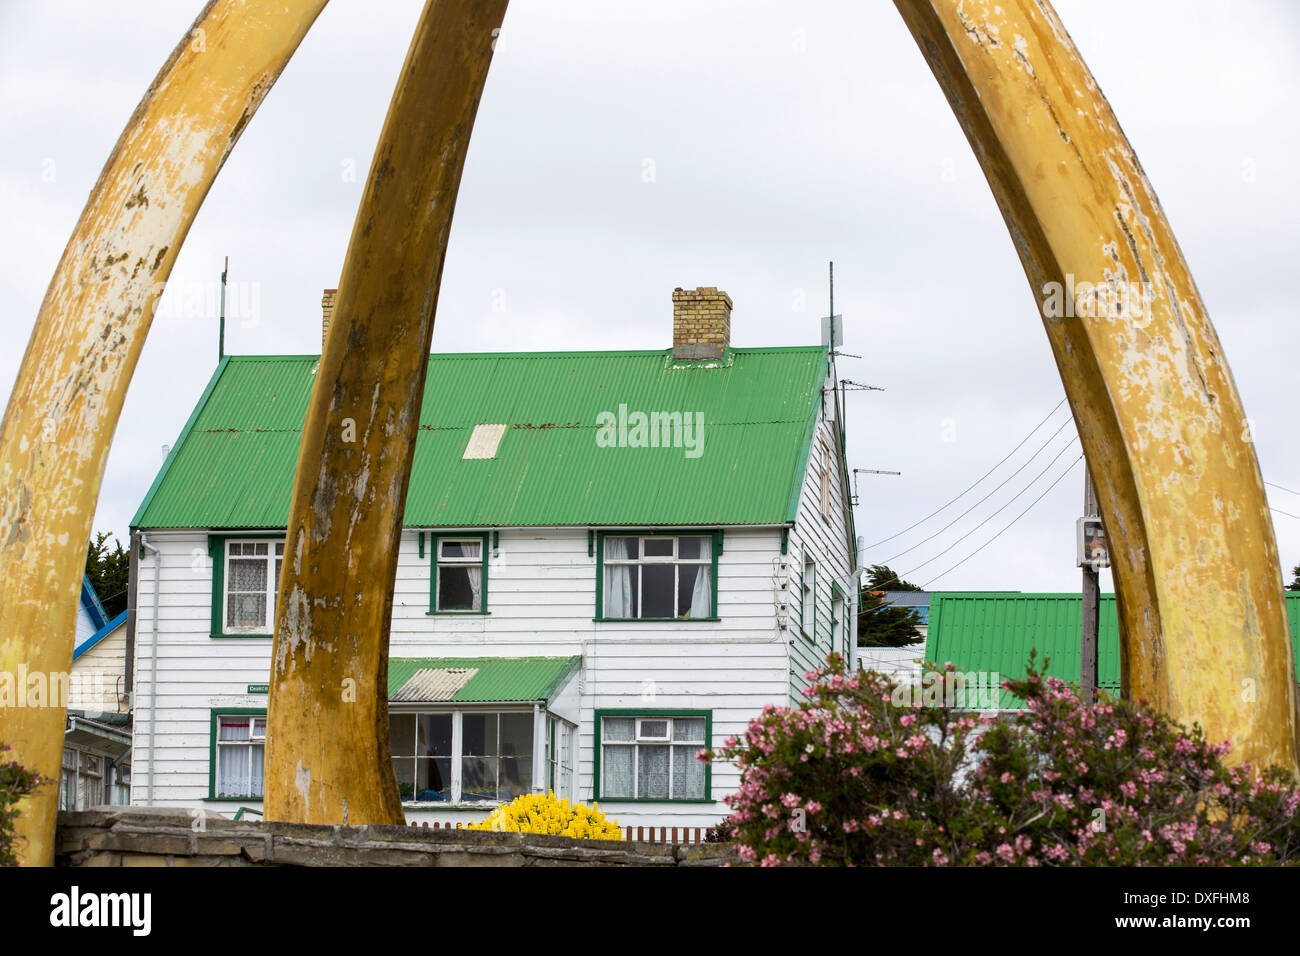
[(327, 313), (701, 323)]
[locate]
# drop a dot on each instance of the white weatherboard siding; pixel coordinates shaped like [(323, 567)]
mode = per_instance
[(827, 542), (541, 598), (98, 674)]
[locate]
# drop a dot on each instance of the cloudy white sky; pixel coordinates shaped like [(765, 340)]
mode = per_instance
[(781, 136)]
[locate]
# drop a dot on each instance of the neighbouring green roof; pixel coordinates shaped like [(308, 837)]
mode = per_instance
[(990, 633), (484, 679), (233, 465)]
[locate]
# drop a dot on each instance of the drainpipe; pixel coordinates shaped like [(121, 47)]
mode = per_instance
[(153, 661)]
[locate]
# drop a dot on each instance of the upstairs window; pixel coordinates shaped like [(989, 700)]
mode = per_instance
[(459, 575), (824, 482), (658, 577), (252, 577)]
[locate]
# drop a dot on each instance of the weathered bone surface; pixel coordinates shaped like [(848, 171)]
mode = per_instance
[(327, 756), (1196, 565), (1202, 612), (69, 391)]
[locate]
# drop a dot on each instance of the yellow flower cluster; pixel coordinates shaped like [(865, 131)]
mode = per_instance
[(534, 813)]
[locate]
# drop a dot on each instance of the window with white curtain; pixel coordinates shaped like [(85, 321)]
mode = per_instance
[(458, 575), (652, 757), (240, 746), (661, 577), (252, 577)]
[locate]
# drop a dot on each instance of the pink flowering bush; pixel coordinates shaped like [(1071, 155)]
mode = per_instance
[(850, 777)]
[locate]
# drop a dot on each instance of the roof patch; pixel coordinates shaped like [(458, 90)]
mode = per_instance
[(483, 442)]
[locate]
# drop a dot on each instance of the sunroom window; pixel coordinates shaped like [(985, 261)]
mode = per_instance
[(660, 576), (652, 758), (462, 756)]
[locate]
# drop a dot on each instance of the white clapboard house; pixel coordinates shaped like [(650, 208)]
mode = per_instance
[(609, 561)]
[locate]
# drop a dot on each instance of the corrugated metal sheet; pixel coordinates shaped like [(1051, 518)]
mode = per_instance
[(492, 679), (434, 684), (233, 466), (994, 633)]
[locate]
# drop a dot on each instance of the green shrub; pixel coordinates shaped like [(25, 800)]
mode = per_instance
[(16, 782)]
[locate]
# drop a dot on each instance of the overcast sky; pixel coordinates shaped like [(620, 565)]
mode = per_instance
[(623, 149)]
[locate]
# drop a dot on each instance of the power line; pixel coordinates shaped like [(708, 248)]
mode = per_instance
[(1013, 521), (990, 494), (1280, 488), (1287, 513), (977, 481), (985, 521), (1017, 495)]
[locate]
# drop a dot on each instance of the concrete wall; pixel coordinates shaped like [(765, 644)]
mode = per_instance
[(139, 836)]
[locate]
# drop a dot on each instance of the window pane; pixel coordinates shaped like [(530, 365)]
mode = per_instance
[(256, 758), (620, 597), (516, 776), (246, 610), (479, 735), (688, 774), (619, 728), (232, 728), (69, 759), (433, 778), (279, 548), (688, 728), (690, 579), (401, 734), (693, 549), (652, 771), (259, 548), (404, 768), (478, 778), (461, 549), (616, 771), (435, 736), (517, 735), (657, 590), (454, 590), (259, 727), (621, 549), (658, 547), (654, 729)]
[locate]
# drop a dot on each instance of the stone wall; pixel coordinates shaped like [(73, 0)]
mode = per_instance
[(146, 836)]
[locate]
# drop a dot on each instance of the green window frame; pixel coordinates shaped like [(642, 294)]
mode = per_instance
[(215, 715), (435, 552), (650, 712), (839, 621), (217, 555), (715, 537), (808, 600)]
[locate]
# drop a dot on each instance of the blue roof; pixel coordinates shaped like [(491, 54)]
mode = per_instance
[(106, 629), (90, 601)]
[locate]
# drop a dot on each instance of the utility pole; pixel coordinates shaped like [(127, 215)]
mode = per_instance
[(1091, 596), (221, 321)]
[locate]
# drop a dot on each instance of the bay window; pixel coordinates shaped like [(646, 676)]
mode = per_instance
[(463, 756)]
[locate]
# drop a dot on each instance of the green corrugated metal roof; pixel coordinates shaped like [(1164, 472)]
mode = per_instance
[(494, 678), (233, 465), (993, 633)]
